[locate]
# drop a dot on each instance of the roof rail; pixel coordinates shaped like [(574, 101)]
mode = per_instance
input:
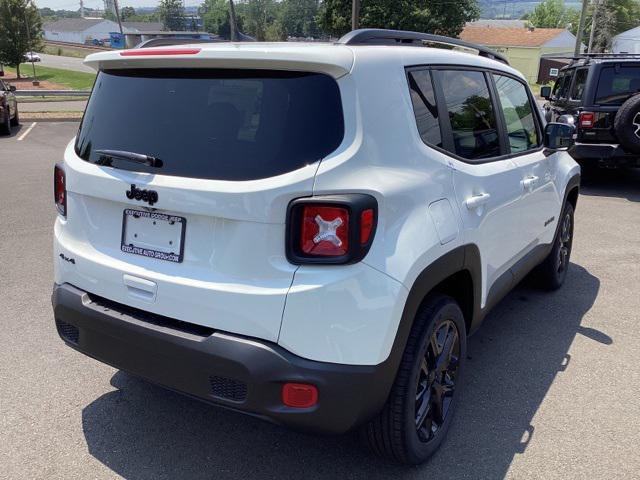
[(378, 36), (586, 57)]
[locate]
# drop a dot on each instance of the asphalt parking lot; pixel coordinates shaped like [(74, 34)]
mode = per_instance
[(551, 387)]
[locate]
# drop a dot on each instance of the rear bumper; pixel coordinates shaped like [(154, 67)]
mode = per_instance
[(224, 369), (603, 154)]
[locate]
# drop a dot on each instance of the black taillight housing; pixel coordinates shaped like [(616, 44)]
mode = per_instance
[(331, 229), (60, 190)]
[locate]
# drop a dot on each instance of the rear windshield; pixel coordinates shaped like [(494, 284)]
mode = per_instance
[(213, 124), (616, 85)]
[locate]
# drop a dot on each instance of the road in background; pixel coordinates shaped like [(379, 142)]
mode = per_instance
[(551, 388), (66, 106), (65, 63)]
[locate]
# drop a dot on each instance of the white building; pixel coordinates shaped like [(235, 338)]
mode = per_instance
[(83, 30), (627, 42)]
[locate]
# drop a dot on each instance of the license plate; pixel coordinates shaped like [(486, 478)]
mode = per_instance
[(154, 235)]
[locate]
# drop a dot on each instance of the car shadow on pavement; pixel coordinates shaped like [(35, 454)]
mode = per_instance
[(141, 431), (15, 131), (621, 183)]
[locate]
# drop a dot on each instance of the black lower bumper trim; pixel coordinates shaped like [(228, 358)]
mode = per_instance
[(224, 369), (603, 155)]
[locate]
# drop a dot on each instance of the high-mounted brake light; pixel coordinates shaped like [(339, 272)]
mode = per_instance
[(60, 190), (147, 52), (586, 119), (331, 229)]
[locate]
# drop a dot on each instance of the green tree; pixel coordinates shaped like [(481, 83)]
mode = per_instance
[(553, 14), (127, 12), (171, 13), (298, 18), (433, 16), (217, 19), (260, 19), (20, 31)]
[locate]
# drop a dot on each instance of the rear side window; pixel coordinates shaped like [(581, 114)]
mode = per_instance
[(579, 84), (424, 107), (616, 85), (213, 123), (522, 130), (471, 113)]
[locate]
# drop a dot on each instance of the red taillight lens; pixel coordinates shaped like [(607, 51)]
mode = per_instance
[(60, 190), (586, 119), (325, 231), (299, 395), (366, 225)]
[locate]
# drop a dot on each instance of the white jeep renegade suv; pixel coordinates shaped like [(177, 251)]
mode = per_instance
[(307, 233)]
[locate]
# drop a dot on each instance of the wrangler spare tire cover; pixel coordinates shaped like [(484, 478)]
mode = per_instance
[(627, 124)]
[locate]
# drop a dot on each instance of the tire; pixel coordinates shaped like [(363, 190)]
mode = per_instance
[(16, 119), (552, 271), (5, 128), (627, 124), (395, 433)]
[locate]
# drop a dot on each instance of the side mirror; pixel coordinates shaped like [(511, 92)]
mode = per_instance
[(545, 92), (12, 88), (559, 136)]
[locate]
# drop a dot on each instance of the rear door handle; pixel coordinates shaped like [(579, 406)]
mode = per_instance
[(530, 182), (477, 201)]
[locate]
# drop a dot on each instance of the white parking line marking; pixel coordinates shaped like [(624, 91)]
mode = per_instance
[(21, 137)]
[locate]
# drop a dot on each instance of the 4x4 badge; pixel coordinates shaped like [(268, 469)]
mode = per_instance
[(135, 193)]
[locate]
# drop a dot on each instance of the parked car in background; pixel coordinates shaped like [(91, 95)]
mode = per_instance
[(598, 93), (32, 57), (8, 108)]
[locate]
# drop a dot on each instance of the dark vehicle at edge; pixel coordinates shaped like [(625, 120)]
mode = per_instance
[(598, 93)]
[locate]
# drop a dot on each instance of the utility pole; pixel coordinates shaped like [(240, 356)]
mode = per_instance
[(355, 14), (232, 23), (583, 14), (81, 9), (115, 5), (596, 4)]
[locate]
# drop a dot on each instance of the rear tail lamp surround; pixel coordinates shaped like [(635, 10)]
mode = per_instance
[(60, 189), (331, 229)]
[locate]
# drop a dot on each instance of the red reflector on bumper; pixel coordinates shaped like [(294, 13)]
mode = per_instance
[(299, 395)]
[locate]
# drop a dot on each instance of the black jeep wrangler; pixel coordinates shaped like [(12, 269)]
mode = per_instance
[(598, 93)]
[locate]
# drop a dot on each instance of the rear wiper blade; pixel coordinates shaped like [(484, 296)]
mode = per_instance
[(106, 157)]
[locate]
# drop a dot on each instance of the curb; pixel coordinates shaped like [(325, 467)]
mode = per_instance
[(50, 119)]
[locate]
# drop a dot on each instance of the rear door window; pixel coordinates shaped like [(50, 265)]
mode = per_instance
[(471, 114), (519, 116), (578, 86), (617, 84), (213, 123)]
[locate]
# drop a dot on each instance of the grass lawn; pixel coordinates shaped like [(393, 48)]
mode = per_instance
[(67, 78)]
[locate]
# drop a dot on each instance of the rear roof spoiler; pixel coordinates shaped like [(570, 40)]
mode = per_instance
[(376, 36)]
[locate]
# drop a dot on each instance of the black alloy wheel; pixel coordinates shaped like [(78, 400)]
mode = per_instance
[(565, 239), (420, 407), (437, 380)]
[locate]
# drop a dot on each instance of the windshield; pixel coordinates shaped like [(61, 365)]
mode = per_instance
[(213, 124), (616, 85)]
